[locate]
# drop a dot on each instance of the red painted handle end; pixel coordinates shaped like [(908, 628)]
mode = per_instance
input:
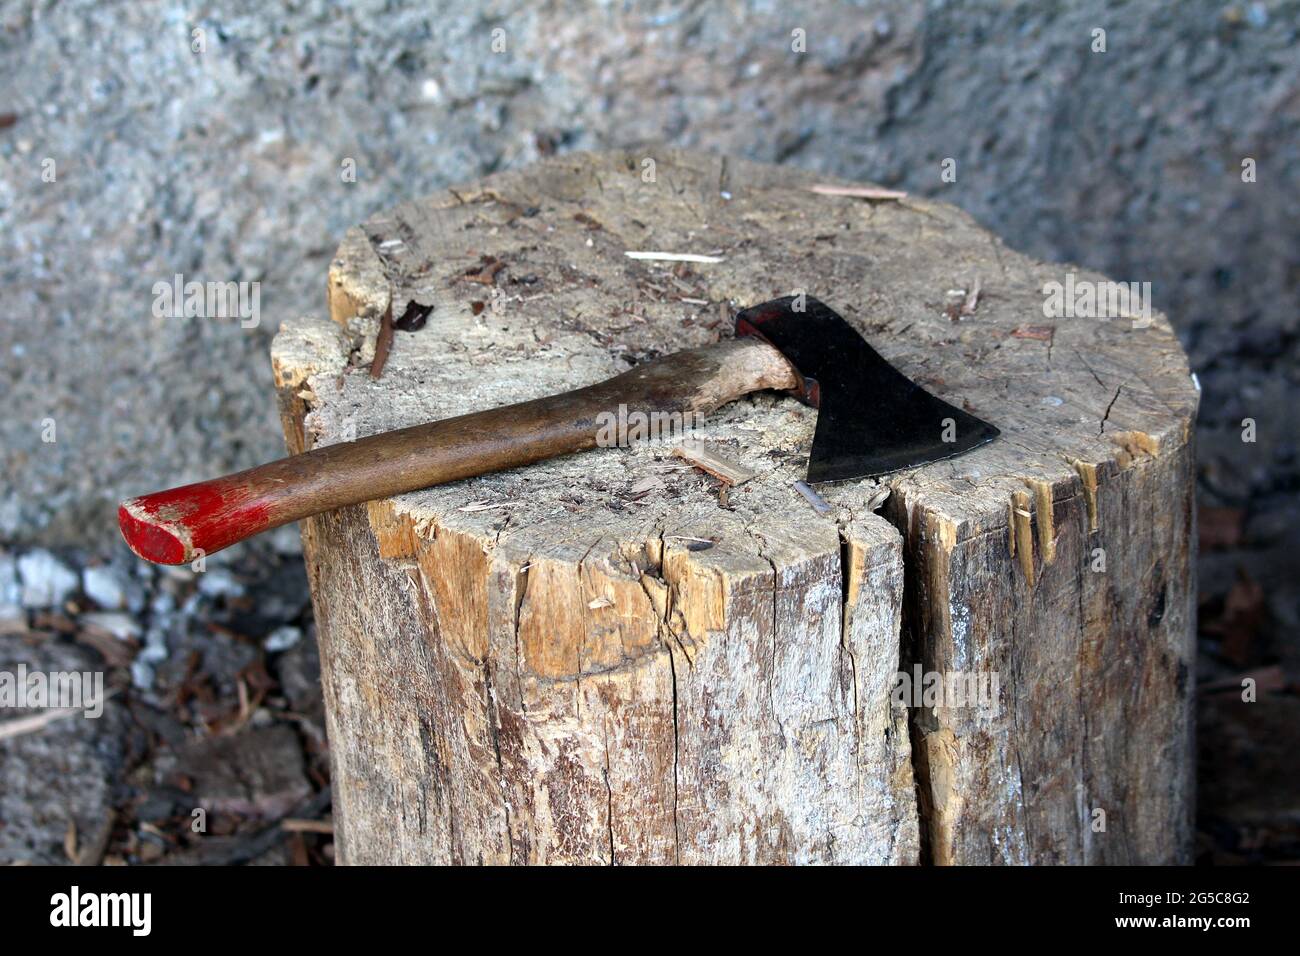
[(182, 524), (149, 539)]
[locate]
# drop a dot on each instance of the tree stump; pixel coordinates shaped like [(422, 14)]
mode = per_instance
[(613, 658)]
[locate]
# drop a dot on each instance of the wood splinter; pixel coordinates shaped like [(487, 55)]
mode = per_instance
[(704, 458)]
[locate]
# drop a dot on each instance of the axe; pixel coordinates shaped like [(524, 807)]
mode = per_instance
[(871, 420)]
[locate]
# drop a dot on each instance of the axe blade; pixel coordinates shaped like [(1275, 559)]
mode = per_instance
[(871, 419)]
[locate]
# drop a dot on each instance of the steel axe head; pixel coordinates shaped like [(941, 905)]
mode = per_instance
[(871, 418)]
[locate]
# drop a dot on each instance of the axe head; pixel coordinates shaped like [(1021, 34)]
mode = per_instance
[(871, 418)]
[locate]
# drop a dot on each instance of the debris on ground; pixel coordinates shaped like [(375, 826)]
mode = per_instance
[(705, 458), (672, 257), (965, 304), (485, 273), (820, 505), (413, 317), (859, 192), (1041, 333), (212, 727), (383, 343)]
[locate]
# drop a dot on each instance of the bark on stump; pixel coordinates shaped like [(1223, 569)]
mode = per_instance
[(602, 659)]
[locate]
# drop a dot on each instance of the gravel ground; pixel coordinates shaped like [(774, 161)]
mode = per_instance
[(226, 164), (211, 697)]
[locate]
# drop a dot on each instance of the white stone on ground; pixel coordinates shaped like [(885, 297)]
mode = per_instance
[(47, 581), (122, 626), (104, 586), (282, 638)]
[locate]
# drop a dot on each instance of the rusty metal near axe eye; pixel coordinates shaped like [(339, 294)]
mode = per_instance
[(871, 420)]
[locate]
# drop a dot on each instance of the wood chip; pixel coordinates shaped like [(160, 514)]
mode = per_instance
[(298, 825), (600, 602), (704, 458), (484, 506), (1042, 333), (646, 485), (485, 273), (859, 192), (956, 311), (672, 257), (115, 651), (92, 853), (383, 343), (878, 497), (30, 725), (819, 503), (53, 621)]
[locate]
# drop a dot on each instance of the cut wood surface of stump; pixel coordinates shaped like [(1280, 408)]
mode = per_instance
[(613, 657)]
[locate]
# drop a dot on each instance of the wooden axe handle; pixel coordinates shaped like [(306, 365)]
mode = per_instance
[(179, 525)]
